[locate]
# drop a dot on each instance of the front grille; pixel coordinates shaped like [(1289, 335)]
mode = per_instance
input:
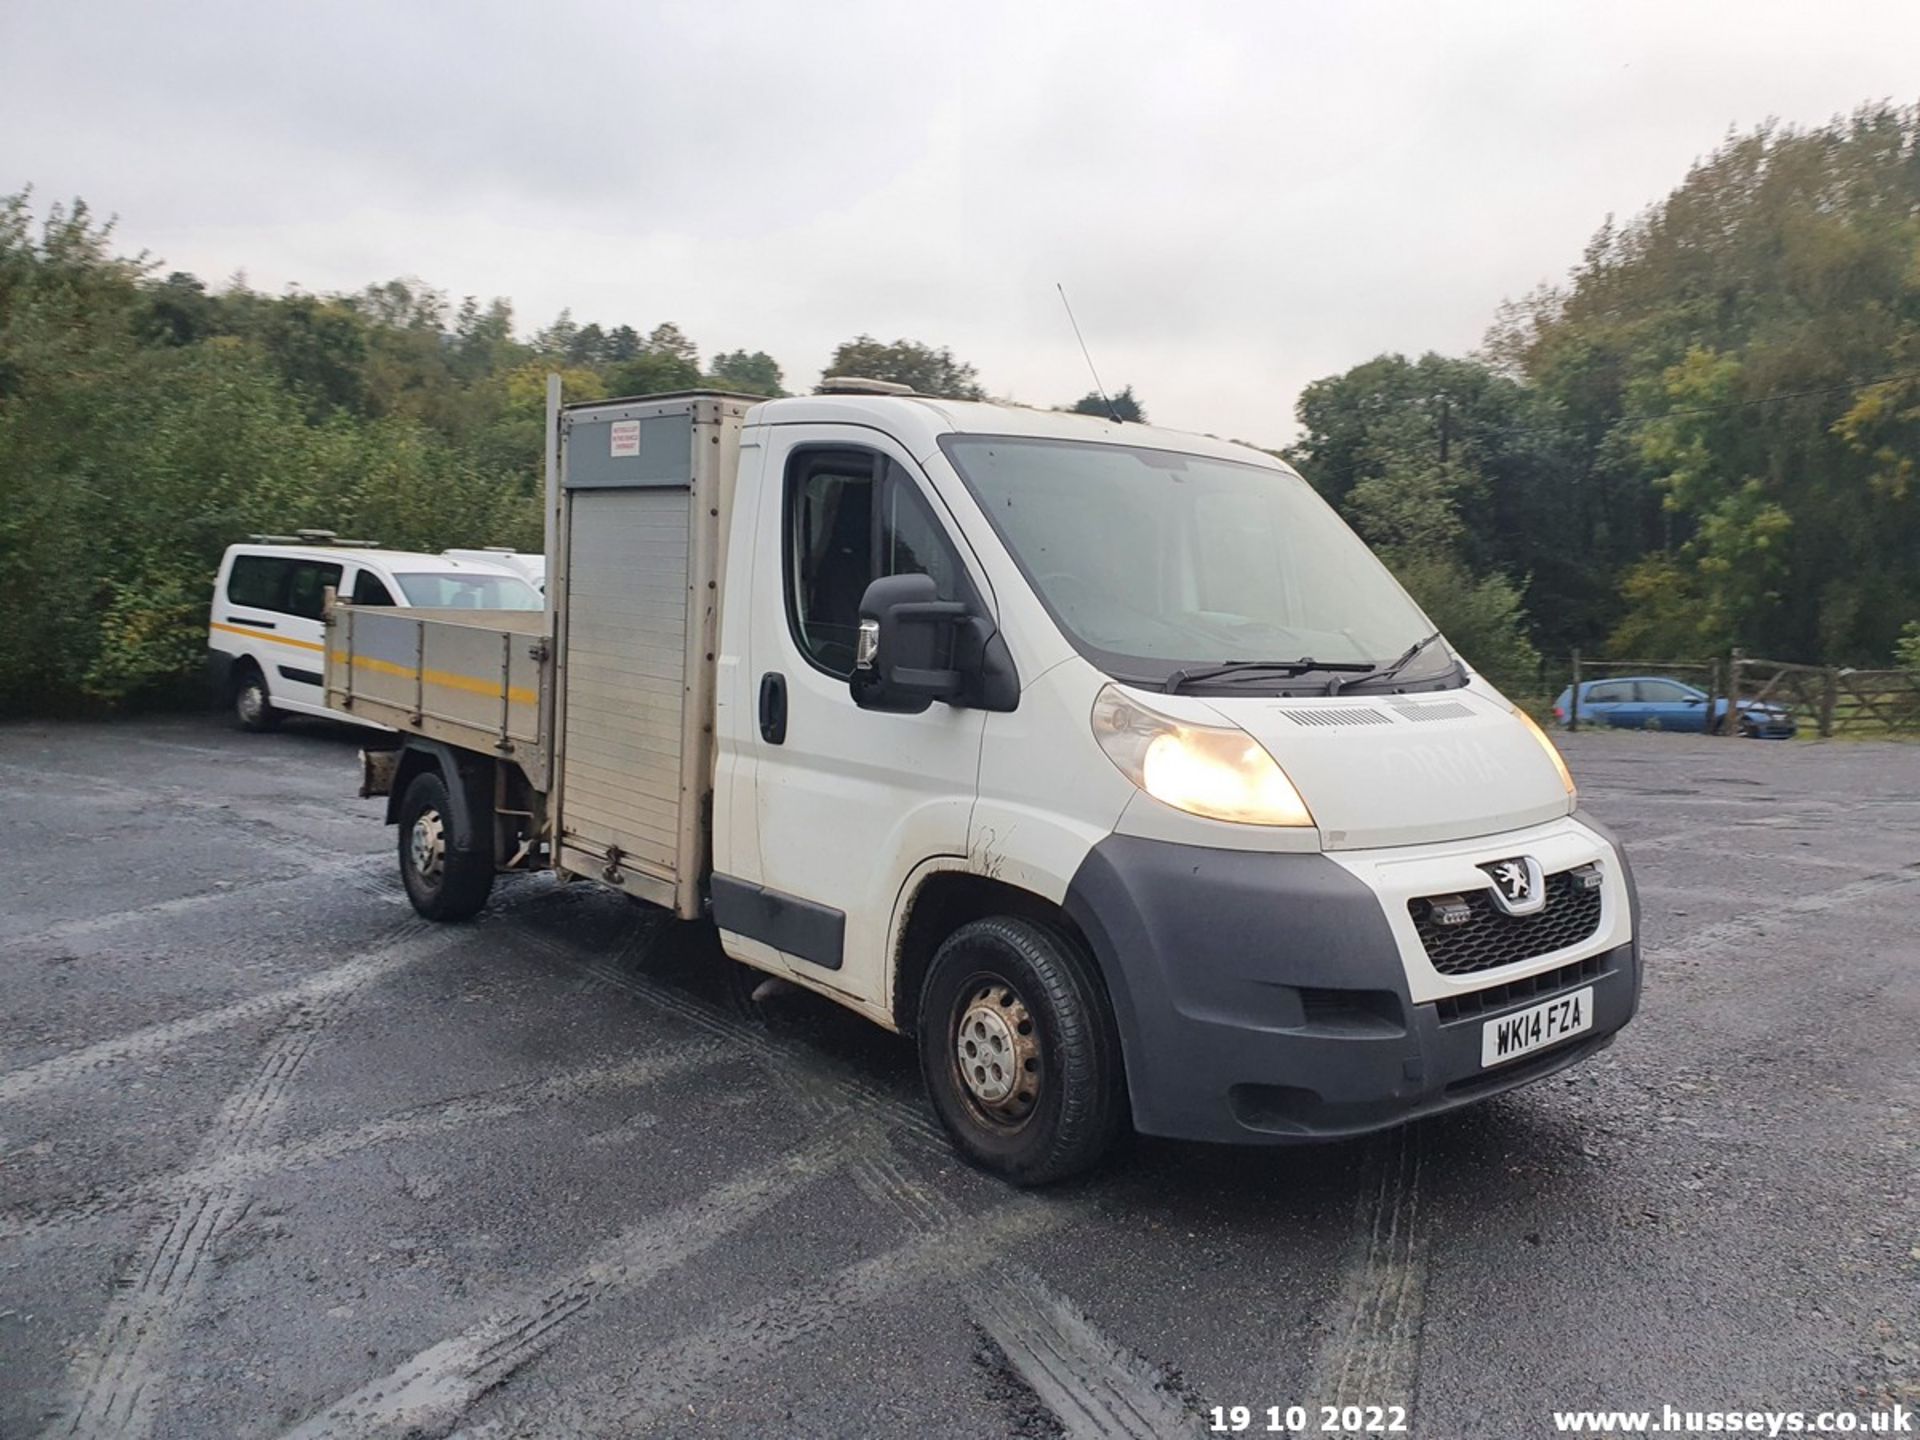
[(1515, 992), (1493, 938)]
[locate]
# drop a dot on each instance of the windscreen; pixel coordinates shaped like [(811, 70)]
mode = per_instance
[(459, 590), (1153, 560)]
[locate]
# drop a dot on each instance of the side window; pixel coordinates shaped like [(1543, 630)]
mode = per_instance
[(1610, 693), (1664, 691), (369, 590), (852, 516), (306, 587), (912, 541), (829, 553), (258, 581)]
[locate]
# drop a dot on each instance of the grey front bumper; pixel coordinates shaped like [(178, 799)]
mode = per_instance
[(1261, 998)]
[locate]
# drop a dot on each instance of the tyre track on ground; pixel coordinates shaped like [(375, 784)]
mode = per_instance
[(912, 1124), (1740, 929), (116, 1379), (1371, 1357), (409, 942), (678, 1376), (374, 875), (1095, 1387), (267, 818), (436, 1117), (434, 1388), (264, 820), (431, 1390), (437, 1386)]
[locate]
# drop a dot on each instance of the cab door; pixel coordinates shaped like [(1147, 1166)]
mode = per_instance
[(848, 802)]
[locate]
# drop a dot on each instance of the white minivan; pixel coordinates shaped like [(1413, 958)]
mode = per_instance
[(265, 635), (531, 568)]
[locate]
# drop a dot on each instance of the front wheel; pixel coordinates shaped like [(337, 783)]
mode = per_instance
[(1020, 1052), (443, 883), (252, 706)]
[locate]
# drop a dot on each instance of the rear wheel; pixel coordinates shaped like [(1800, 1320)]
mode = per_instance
[(1019, 1051), (443, 883), (252, 705)]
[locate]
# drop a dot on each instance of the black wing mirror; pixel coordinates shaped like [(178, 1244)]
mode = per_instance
[(904, 659)]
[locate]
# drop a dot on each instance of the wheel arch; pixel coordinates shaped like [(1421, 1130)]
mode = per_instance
[(941, 898), (469, 779), (238, 667)]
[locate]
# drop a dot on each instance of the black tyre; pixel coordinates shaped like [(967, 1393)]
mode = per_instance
[(1019, 1050), (442, 882), (252, 703)]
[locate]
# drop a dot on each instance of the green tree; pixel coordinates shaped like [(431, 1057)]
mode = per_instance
[(1121, 405), (669, 342), (651, 373), (754, 374), (1906, 651), (320, 349), (1720, 369), (907, 362), (623, 343), (1417, 455), (588, 346)]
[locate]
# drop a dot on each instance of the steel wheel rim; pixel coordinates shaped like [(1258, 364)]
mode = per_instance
[(427, 846), (253, 702), (994, 1047)]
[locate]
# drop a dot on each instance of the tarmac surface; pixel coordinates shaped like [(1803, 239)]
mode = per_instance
[(277, 1158)]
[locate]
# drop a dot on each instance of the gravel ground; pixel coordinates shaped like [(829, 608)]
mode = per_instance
[(277, 1158)]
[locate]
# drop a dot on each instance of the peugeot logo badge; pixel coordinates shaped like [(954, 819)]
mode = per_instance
[(1519, 887)]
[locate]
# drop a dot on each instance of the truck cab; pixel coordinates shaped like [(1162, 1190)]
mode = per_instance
[(1103, 760)]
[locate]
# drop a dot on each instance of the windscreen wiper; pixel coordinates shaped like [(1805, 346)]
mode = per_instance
[(1179, 678), (1386, 671)]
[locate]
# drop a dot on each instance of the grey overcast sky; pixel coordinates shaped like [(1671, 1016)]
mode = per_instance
[(1240, 198)]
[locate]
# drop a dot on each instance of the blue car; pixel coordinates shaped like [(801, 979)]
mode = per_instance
[(1654, 702)]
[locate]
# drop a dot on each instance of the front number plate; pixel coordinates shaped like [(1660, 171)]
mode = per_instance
[(1535, 1028)]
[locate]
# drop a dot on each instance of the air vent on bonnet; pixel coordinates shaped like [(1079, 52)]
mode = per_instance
[(1442, 710), (1342, 715)]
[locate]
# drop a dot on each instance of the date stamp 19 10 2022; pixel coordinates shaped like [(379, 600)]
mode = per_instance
[(1309, 1420)]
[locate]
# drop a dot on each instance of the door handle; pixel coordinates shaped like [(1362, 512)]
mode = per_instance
[(773, 708)]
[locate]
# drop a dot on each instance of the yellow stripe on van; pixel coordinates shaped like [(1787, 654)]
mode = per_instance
[(266, 635), (518, 694)]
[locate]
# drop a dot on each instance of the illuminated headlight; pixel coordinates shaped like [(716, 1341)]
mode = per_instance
[(1553, 751), (1217, 771)]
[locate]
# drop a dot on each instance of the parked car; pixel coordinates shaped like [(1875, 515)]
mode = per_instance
[(265, 638), (1656, 702), (531, 568)]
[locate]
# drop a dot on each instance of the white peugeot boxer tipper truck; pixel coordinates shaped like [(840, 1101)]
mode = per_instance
[(1103, 760)]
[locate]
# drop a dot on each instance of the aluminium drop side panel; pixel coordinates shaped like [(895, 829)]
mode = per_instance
[(638, 588), (472, 679)]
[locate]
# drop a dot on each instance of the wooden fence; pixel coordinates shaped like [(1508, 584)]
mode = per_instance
[(1833, 700), (1826, 699)]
